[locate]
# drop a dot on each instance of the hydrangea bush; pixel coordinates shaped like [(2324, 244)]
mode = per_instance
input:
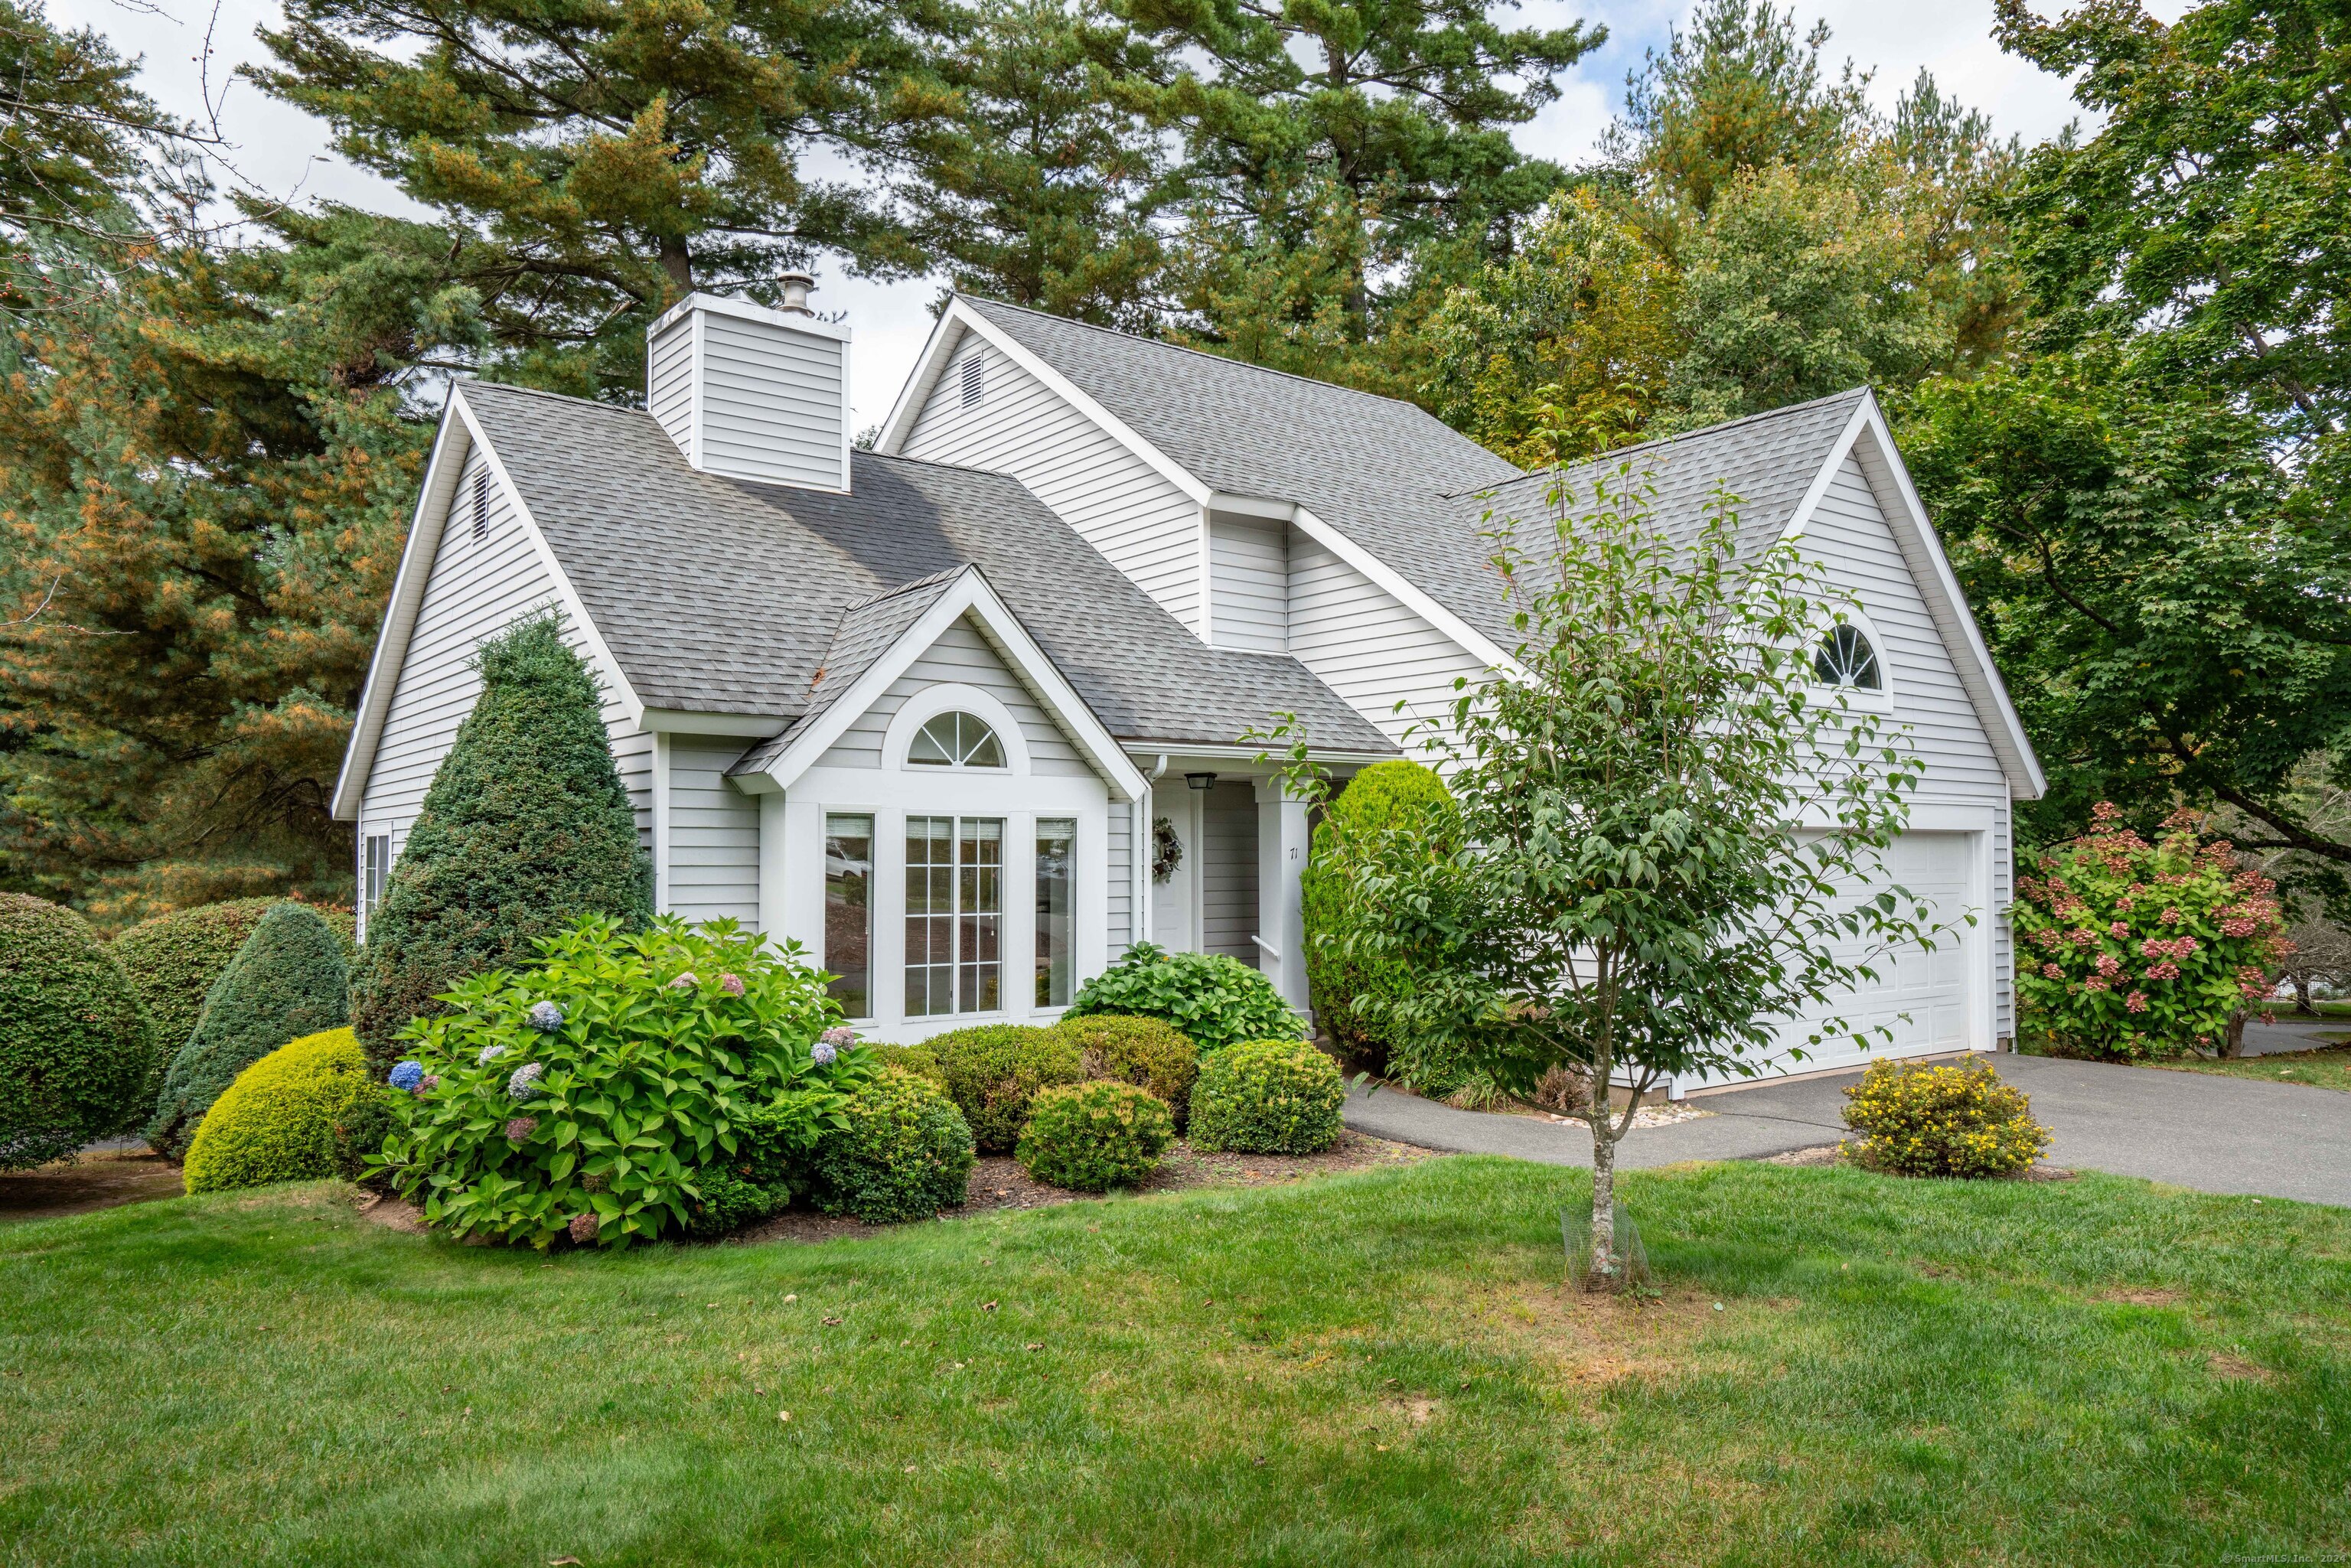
[(584, 1095), (2127, 950)]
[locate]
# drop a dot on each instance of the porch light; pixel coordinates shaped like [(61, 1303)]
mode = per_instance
[(1200, 781)]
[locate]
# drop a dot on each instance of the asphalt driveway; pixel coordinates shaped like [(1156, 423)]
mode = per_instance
[(2191, 1129)]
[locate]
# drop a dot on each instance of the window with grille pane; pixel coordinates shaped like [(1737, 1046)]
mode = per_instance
[(849, 911), (1056, 864), (1846, 659), (954, 915), (956, 740)]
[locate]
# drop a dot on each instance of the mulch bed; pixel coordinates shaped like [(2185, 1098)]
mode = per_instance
[(100, 1179)]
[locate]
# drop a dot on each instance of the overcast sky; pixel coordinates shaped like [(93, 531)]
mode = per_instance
[(280, 151)]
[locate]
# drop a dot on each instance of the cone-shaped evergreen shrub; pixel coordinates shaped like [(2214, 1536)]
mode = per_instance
[(174, 961), (73, 1044), (526, 828), (1385, 796), (289, 980)]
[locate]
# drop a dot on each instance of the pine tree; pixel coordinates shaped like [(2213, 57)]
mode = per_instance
[(525, 829), (289, 980), (590, 164)]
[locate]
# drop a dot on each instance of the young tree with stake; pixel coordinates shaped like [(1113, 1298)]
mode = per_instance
[(1665, 813)]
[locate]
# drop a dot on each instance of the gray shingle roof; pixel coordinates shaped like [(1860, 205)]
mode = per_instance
[(1408, 488), (865, 632), (724, 596)]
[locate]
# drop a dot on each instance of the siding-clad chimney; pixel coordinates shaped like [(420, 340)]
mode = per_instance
[(752, 392)]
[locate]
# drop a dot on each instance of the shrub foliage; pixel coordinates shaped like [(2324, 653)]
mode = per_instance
[(1268, 1097), (279, 1120), (287, 981), (174, 960), (1150, 1053), (2127, 949), (900, 1151), (526, 828), (1091, 1137), (993, 1070), (1384, 798), (1215, 999), (1927, 1119), (74, 1046), (581, 1095)]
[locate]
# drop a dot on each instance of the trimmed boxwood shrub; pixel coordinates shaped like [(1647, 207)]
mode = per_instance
[(1925, 1119), (74, 1040), (278, 1122), (1150, 1053), (289, 980), (525, 830), (1268, 1097), (902, 1151), (1215, 999), (919, 1059), (1091, 1137), (993, 1070), (1383, 797), (176, 959)]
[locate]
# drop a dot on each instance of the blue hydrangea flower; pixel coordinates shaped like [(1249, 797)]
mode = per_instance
[(524, 1082), (824, 1052), (489, 1053), (545, 1018), (407, 1075)]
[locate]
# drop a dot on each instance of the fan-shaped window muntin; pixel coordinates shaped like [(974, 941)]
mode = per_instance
[(1846, 659), (956, 740)]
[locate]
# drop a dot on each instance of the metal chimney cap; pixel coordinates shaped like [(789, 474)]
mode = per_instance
[(796, 286)]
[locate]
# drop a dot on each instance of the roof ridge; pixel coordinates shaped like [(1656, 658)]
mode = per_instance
[(1615, 453), (934, 580), (461, 383), (1204, 354)]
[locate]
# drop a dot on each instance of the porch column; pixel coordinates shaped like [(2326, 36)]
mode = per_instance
[(1281, 857)]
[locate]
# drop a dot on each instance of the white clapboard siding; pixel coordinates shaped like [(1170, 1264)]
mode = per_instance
[(1228, 874), (1121, 879), (961, 655), (1119, 504), (1849, 536), (773, 402), (1248, 584), (478, 586), (1366, 645), (669, 380), (713, 833)]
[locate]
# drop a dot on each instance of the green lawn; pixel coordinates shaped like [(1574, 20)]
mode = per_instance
[(1373, 1368), (2328, 1069)]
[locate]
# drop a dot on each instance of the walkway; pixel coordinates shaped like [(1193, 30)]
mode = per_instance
[(2192, 1129)]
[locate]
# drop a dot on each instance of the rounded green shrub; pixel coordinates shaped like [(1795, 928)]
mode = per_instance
[(289, 980), (1383, 797), (74, 1040), (993, 1070), (1926, 1119), (1150, 1053), (1215, 999), (525, 829), (174, 960), (279, 1120), (1268, 1097), (919, 1059), (903, 1152), (1091, 1137)]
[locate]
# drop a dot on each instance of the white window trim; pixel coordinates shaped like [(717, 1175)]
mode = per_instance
[(949, 697), (1880, 701)]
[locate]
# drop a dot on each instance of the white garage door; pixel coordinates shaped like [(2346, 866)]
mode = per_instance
[(1921, 996)]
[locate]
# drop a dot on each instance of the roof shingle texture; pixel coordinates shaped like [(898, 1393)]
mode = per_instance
[(1408, 488), (724, 596)]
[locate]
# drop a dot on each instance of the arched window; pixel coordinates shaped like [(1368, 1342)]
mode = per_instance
[(1846, 659), (956, 740)]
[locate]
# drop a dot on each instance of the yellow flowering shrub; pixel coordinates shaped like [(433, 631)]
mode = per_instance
[(1925, 1119)]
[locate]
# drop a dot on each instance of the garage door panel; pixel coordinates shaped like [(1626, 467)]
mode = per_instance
[(1920, 997)]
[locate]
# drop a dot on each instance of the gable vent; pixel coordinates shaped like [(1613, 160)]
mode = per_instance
[(750, 393), (975, 379), (481, 504)]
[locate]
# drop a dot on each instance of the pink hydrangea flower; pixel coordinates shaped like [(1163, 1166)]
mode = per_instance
[(2136, 1002), (2109, 966), (731, 984), (2093, 983), (2119, 931), (2166, 970), (2052, 972), (582, 1230), (686, 981), (2172, 915)]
